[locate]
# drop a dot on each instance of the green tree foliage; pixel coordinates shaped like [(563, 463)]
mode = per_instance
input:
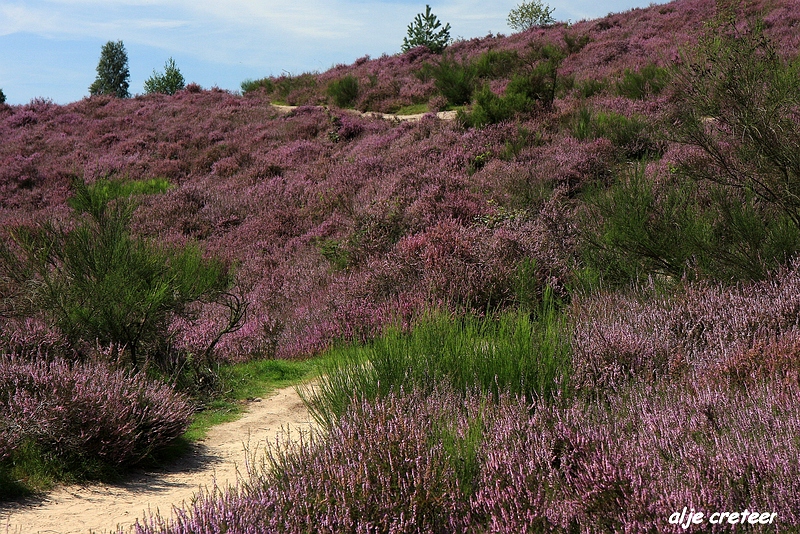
[(427, 30), (99, 284), (112, 71), (529, 15), (169, 82), (2, 97)]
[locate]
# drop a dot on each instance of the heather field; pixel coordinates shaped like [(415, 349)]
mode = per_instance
[(573, 308)]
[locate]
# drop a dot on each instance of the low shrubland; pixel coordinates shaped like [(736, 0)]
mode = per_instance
[(601, 166)]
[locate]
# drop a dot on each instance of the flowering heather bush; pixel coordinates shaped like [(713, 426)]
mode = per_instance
[(628, 466), (703, 328), (85, 415), (384, 468), (440, 463)]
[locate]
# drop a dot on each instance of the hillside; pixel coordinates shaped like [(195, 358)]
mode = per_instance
[(603, 243), (336, 223)]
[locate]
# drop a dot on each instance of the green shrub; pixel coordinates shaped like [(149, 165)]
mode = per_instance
[(589, 88), (2, 97), (456, 81), (286, 85), (99, 284), (737, 100), (679, 229), (650, 80), (265, 84), (344, 91), (631, 135), (490, 108), (496, 64), (169, 82)]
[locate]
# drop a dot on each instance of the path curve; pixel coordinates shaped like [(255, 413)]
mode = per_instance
[(102, 508)]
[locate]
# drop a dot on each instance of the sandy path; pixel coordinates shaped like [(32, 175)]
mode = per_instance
[(443, 115), (101, 508)]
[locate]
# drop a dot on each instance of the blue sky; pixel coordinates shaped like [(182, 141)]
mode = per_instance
[(50, 48)]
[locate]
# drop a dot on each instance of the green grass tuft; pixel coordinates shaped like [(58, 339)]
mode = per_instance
[(522, 353)]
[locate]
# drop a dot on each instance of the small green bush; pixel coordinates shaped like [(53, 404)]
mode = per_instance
[(589, 88), (496, 64), (344, 91), (289, 84), (99, 284), (650, 80), (490, 108), (456, 81), (2, 97), (265, 84), (631, 135), (169, 82)]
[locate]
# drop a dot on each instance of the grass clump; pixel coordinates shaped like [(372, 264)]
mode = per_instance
[(522, 353)]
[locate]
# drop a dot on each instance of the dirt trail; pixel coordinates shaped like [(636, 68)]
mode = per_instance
[(101, 508), (443, 115)]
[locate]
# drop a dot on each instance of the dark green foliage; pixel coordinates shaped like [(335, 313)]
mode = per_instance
[(286, 85), (344, 91), (2, 97), (650, 80), (490, 108), (265, 84), (678, 229), (575, 43), (630, 135), (112, 71), (99, 284), (169, 82), (423, 32), (533, 86), (496, 64), (736, 100), (456, 81), (589, 88)]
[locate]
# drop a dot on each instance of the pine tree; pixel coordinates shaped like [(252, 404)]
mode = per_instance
[(422, 32), (112, 71)]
